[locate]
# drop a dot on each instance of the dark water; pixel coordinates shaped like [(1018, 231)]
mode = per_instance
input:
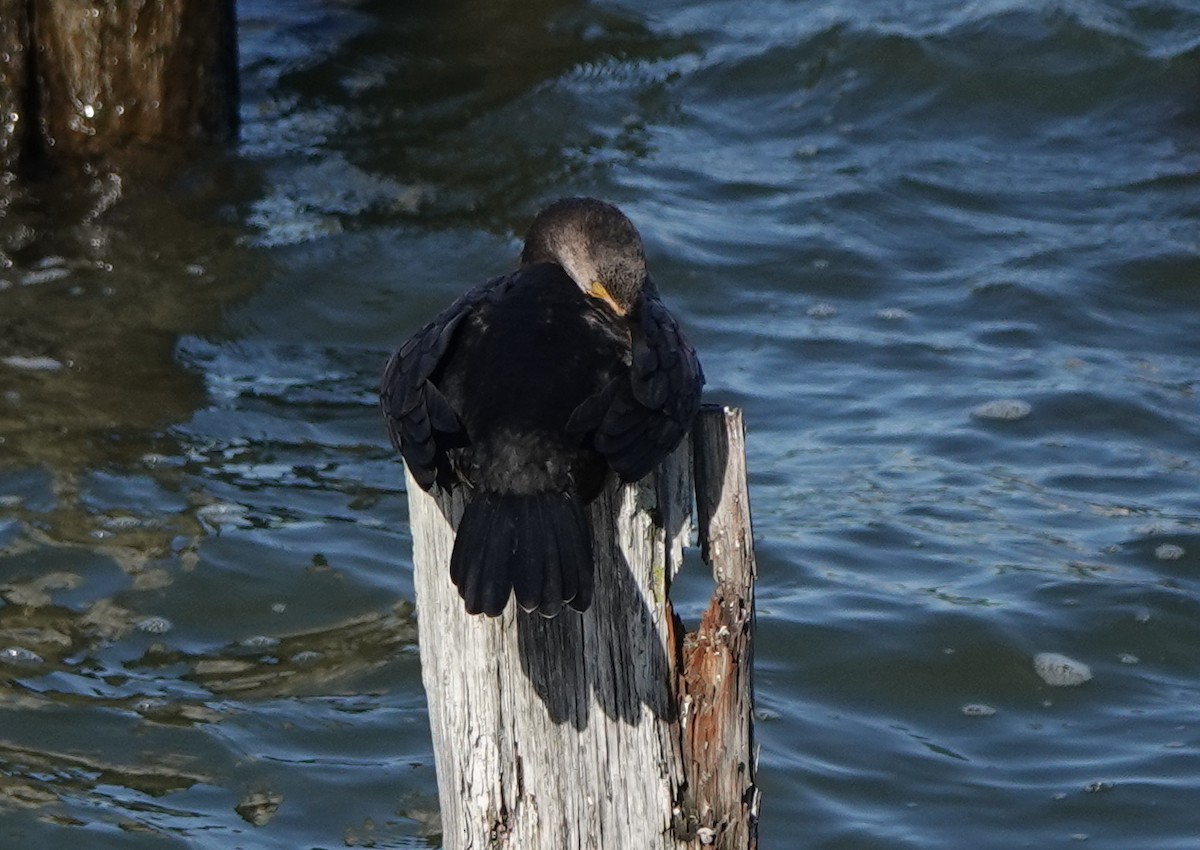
[(876, 220)]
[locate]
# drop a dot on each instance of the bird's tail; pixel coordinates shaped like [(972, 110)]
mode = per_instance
[(539, 545)]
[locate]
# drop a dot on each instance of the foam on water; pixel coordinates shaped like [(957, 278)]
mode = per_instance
[(1060, 671)]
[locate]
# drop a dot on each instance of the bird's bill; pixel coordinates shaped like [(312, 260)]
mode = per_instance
[(596, 290)]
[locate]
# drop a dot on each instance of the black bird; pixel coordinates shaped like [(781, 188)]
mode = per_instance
[(529, 389)]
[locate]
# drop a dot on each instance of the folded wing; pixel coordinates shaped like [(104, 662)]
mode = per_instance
[(421, 422), (642, 414)]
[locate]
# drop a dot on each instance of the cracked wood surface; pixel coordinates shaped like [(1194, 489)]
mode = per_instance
[(612, 728)]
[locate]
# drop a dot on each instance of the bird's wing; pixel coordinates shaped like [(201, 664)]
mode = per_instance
[(420, 421), (641, 416)]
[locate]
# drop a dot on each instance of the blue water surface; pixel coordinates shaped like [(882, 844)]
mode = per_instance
[(943, 255)]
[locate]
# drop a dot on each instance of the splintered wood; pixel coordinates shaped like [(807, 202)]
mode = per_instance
[(613, 728), (715, 687)]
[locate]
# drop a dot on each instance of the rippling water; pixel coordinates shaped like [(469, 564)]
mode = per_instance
[(944, 255)]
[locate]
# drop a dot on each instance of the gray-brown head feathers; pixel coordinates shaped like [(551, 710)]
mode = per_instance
[(595, 244)]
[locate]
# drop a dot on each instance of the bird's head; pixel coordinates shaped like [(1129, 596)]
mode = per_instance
[(595, 244)]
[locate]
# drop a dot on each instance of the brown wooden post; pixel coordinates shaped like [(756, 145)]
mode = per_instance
[(86, 78), (612, 728), (14, 61)]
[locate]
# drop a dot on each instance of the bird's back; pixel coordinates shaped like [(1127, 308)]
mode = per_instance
[(522, 362)]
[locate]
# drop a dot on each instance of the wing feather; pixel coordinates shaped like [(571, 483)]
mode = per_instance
[(640, 417), (421, 422)]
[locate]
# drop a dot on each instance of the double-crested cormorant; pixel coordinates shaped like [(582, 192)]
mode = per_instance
[(529, 389)]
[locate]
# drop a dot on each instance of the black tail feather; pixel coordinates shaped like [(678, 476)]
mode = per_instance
[(580, 538), (495, 565), (560, 585), (469, 527), (529, 578), (538, 545), (480, 571)]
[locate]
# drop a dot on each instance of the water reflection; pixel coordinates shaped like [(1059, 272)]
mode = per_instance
[(101, 272), (166, 686), (314, 662), (99, 277), (34, 777), (97, 281)]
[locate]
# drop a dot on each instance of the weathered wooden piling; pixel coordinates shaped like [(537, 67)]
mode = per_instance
[(615, 728), (82, 78)]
